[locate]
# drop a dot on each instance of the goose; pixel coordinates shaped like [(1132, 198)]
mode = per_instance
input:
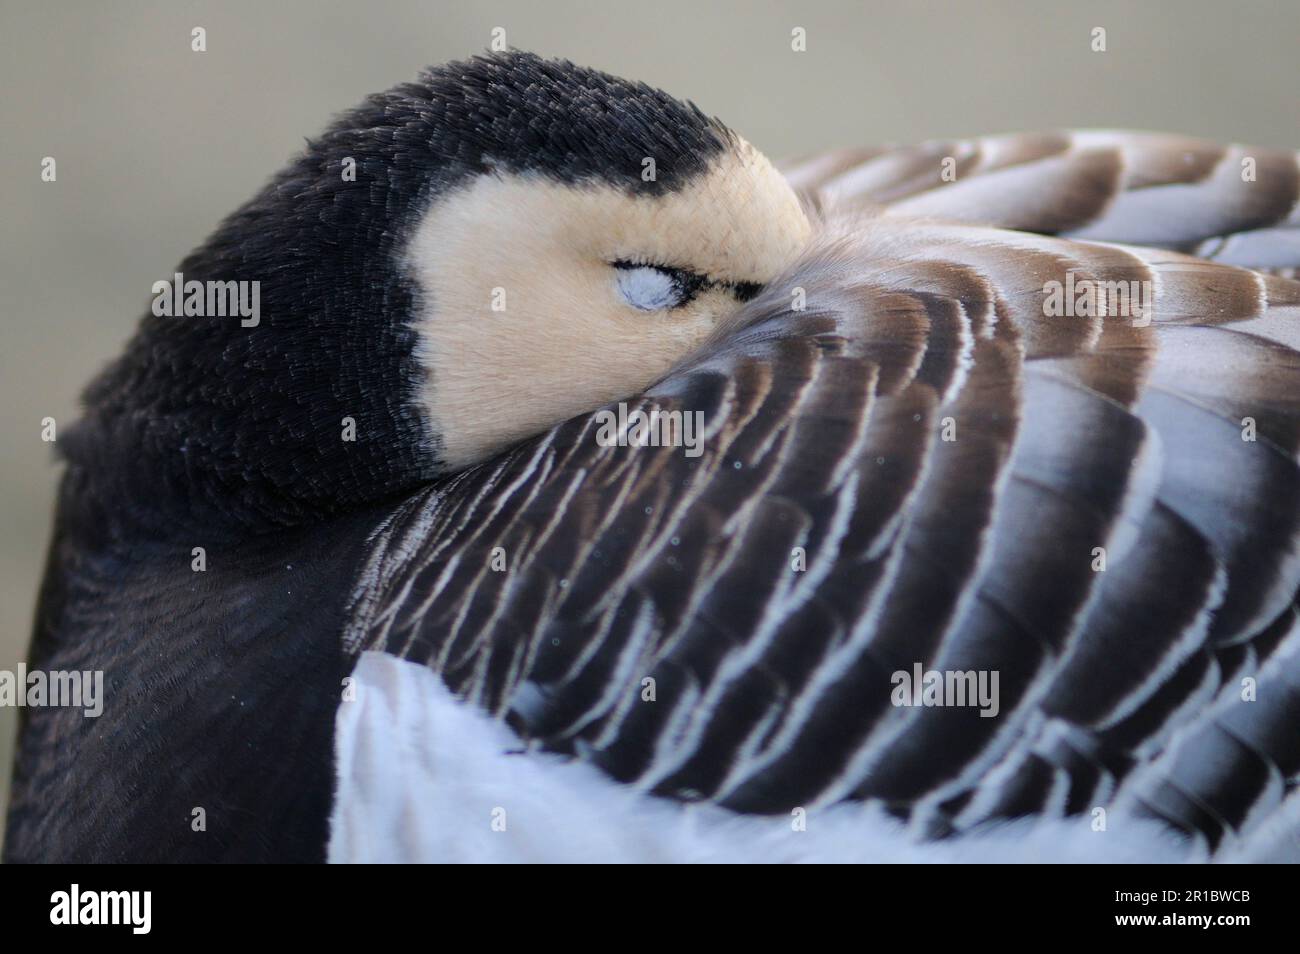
[(986, 546)]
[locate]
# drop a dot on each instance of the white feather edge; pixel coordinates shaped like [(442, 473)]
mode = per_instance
[(422, 777)]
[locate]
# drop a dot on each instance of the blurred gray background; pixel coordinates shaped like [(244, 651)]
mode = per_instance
[(154, 142)]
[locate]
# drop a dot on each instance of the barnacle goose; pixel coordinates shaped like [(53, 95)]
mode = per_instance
[(481, 630)]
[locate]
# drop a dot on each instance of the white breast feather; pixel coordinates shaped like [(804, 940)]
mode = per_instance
[(424, 777)]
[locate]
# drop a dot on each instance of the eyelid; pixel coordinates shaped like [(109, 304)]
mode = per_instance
[(691, 283), (687, 283), (670, 269)]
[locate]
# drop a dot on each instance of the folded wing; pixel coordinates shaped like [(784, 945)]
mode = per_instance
[(918, 449)]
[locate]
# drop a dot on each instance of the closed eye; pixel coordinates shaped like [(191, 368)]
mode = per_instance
[(662, 287), (657, 287)]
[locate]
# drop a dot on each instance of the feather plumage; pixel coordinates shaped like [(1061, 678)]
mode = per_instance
[(908, 460), (1074, 436)]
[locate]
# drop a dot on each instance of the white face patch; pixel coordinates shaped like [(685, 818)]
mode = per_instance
[(536, 292), (648, 288)]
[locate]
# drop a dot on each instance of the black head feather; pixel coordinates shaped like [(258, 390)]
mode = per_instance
[(206, 423)]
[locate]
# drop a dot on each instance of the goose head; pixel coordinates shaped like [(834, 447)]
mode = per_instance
[(454, 265), (607, 230)]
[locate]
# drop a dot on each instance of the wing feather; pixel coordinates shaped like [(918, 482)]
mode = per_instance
[(925, 466)]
